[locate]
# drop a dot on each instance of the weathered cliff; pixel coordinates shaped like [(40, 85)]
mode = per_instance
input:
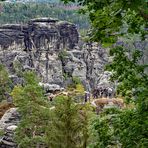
[(50, 47)]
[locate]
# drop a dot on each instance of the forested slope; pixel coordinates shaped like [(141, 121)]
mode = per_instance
[(23, 12)]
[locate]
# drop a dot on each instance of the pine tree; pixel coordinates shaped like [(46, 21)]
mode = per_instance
[(86, 113), (67, 127), (5, 83), (34, 111)]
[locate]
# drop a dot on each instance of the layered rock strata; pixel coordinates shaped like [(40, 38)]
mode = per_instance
[(50, 47)]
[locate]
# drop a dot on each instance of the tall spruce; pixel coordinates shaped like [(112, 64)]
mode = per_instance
[(68, 128)]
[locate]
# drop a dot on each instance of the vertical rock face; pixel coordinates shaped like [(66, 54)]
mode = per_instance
[(43, 33), (86, 63), (95, 58), (11, 36), (38, 44)]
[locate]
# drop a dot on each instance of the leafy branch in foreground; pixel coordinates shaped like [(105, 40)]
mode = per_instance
[(107, 17), (130, 125), (110, 21)]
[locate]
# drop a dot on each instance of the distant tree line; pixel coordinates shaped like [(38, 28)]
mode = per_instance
[(23, 12)]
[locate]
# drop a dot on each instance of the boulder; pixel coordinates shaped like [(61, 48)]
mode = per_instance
[(8, 124), (51, 87), (11, 117)]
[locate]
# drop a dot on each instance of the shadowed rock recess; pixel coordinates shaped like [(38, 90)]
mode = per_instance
[(51, 48)]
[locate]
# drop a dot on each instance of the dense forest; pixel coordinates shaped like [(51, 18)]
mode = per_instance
[(76, 117), (23, 12)]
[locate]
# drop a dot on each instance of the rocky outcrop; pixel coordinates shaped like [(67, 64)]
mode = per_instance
[(87, 64), (51, 87), (104, 80), (8, 124), (39, 33), (106, 103), (49, 47)]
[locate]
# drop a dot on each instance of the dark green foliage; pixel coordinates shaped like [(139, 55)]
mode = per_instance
[(131, 127), (110, 20), (23, 12), (101, 130), (68, 125), (101, 133), (62, 55), (34, 111), (5, 83), (114, 128), (65, 125), (129, 73), (76, 80), (107, 16), (18, 68)]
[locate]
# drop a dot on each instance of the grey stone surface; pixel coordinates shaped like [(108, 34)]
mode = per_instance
[(51, 87), (37, 45), (104, 79), (8, 124), (11, 117)]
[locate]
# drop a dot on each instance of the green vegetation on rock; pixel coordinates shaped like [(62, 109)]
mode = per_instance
[(5, 83), (68, 123), (34, 111)]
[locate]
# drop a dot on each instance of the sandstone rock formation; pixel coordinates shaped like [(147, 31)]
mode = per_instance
[(37, 46), (8, 124)]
